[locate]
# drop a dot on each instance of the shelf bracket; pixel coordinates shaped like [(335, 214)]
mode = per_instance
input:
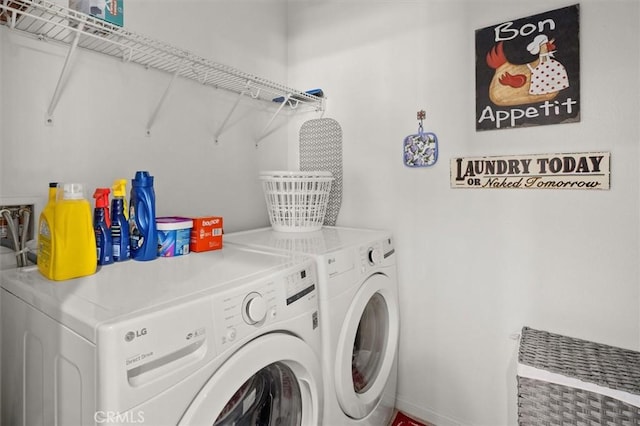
[(14, 16), (255, 94), (205, 77), (264, 131), (224, 122), (64, 74), (125, 57), (164, 97)]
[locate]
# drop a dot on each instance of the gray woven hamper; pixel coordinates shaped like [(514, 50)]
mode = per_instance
[(595, 366)]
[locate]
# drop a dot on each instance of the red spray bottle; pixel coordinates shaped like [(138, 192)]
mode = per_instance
[(102, 225)]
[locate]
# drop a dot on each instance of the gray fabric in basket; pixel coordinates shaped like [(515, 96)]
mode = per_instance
[(604, 365), (321, 150)]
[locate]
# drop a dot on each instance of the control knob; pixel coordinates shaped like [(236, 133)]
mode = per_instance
[(254, 308), (374, 255)]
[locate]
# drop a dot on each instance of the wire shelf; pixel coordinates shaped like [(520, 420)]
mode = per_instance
[(52, 22)]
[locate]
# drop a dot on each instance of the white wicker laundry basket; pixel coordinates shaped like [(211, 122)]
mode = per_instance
[(296, 201), (568, 381)]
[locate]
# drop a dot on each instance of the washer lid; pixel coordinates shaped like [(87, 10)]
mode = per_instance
[(326, 240), (130, 287)]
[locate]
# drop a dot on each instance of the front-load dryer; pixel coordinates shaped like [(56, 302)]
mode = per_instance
[(359, 316), (228, 337)]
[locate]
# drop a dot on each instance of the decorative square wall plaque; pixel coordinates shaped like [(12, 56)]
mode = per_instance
[(528, 71)]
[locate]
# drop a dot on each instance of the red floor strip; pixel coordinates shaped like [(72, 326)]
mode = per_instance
[(403, 420)]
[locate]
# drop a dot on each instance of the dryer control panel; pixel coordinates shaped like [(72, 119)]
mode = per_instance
[(376, 253), (348, 265), (241, 313)]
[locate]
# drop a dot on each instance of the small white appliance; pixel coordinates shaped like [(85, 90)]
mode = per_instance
[(359, 316), (228, 337)]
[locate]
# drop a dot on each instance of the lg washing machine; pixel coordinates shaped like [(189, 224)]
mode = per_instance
[(359, 316), (229, 337)]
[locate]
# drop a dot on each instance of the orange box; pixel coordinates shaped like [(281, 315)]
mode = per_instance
[(206, 233)]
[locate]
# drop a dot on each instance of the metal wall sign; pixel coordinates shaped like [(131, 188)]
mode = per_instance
[(528, 71), (587, 170)]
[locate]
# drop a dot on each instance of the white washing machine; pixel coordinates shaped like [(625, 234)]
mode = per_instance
[(228, 337), (359, 316)]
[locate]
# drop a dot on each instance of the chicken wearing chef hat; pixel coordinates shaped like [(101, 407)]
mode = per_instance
[(549, 76), (518, 84)]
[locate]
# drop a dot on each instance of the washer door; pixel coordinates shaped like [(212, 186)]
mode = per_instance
[(273, 380), (367, 346)]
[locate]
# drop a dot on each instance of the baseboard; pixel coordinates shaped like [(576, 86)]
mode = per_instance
[(425, 414)]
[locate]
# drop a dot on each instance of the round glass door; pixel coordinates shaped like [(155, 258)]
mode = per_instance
[(367, 346), (370, 343), (270, 397), (275, 379)]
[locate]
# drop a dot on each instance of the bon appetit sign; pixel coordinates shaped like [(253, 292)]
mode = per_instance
[(528, 71), (589, 170)]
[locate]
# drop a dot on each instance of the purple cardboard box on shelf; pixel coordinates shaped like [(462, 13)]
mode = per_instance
[(108, 10)]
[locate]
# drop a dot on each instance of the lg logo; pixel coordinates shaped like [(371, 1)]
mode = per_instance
[(133, 334)]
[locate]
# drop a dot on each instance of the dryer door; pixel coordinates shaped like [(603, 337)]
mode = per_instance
[(273, 380), (367, 346)]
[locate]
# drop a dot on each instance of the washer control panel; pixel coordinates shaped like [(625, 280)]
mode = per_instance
[(242, 312), (375, 253)]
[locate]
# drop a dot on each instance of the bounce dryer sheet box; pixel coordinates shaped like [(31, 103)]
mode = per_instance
[(206, 233)]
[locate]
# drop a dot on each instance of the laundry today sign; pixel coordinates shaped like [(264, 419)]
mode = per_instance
[(542, 171)]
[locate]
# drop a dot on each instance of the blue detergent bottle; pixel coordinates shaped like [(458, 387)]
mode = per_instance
[(101, 226), (143, 235), (119, 222)]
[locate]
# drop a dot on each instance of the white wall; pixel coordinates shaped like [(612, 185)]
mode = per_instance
[(99, 123), (477, 265)]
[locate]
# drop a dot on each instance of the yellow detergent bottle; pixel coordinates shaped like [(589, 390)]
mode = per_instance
[(45, 233), (74, 251)]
